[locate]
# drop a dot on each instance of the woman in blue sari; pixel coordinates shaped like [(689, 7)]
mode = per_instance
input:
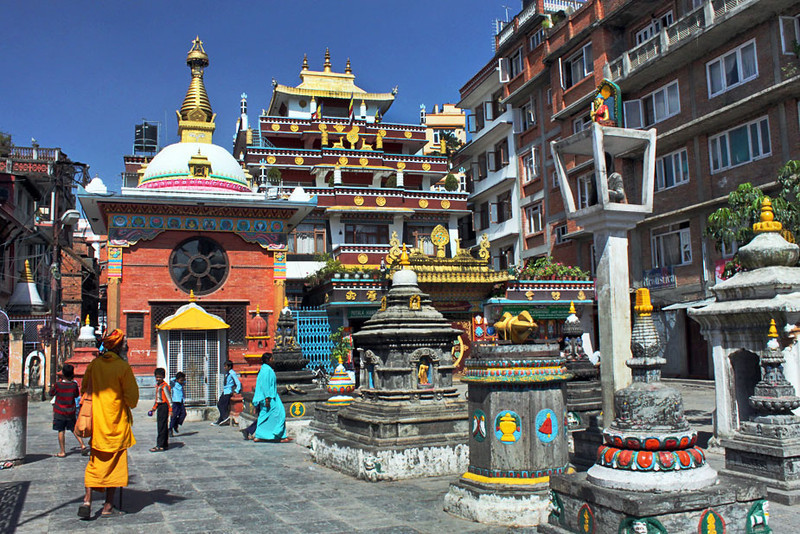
[(271, 423)]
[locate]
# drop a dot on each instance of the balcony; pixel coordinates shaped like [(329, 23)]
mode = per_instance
[(518, 23), (506, 176), (714, 22)]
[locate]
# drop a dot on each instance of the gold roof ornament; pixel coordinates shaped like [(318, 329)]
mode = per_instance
[(87, 320), (305, 62), (196, 118), (404, 257), (27, 275), (192, 298), (326, 67), (773, 330), (767, 222), (347, 69), (643, 306)]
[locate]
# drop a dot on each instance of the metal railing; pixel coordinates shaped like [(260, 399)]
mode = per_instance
[(35, 153)]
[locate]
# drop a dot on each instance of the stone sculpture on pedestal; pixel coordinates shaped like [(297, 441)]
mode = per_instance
[(409, 421), (649, 476)]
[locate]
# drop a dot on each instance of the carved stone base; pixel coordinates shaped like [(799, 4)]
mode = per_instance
[(498, 504), (775, 463), (584, 507)]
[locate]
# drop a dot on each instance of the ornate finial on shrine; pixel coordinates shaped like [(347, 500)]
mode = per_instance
[(645, 344), (285, 302), (572, 307), (404, 257), (767, 222), (643, 306), (258, 309), (87, 320), (347, 68), (196, 118), (305, 61), (327, 65), (192, 298), (27, 275), (773, 395)]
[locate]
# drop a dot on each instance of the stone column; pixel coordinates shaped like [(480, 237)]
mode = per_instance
[(113, 304), (16, 356)]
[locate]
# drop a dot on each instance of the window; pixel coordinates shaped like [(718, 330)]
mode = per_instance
[(556, 183), (790, 33), (561, 232), (536, 39), (740, 145), (475, 122), (366, 234), (198, 264), (734, 68), (655, 107), (655, 26), (671, 245), (577, 67), (501, 154), (504, 258), (533, 219), (421, 237), (480, 169), (527, 116), (503, 207), (515, 64), (307, 239), (581, 123), (548, 99), (529, 170), (134, 325), (729, 249), (586, 194), (672, 170), (436, 137), (481, 217)]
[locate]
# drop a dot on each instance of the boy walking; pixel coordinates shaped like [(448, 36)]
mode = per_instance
[(178, 409), (162, 409), (65, 391), (230, 385)]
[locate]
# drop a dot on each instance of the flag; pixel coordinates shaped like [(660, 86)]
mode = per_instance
[(378, 116), (350, 108), (317, 115)]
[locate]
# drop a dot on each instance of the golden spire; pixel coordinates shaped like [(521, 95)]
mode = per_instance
[(404, 257), (327, 65), (767, 222), (258, 309), (196, 118), (773, 330), (192, 298), (305, 61), (643, 306), (27, 276), (87, 320), (572, 308), (347, 68)]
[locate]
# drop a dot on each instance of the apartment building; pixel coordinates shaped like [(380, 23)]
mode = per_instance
[(717, 80)]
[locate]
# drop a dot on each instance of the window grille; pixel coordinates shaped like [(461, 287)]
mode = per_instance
[(196, 353)]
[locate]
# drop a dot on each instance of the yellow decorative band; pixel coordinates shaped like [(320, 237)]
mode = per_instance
[(505, 480)]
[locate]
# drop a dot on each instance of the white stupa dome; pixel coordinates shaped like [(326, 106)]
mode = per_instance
[(169, 169)]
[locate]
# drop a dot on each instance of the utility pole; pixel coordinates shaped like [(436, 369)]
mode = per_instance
[(55, 272)]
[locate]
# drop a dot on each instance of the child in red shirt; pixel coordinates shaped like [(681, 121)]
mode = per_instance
[(65, 391), (163, 409)]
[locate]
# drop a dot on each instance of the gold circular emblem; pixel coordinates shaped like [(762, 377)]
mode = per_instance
[(423, 203), (338, 127), (440, 236), (380, 201), (294, 127), (364, 162), (407, 134), (323, 127), (363, 258), (358, 201), (270, 159), (275, 126), (401, 165), (382, 132), (298, 160), (426, 166), (342, 160), (446, 204), (297, 409)]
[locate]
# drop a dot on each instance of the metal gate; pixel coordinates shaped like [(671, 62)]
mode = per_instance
[(314, 336), (196, 353)]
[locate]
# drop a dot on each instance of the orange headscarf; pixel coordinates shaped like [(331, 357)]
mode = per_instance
[(114, 340)]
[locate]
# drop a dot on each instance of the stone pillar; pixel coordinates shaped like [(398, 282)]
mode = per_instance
[(16, 356), (278, 296), (13, 425), (113, 304), (400, 182), (337, 175)]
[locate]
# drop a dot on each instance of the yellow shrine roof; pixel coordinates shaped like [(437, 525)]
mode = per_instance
[(192, 317)]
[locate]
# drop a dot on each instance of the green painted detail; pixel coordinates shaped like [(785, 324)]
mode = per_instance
[(629, 525)]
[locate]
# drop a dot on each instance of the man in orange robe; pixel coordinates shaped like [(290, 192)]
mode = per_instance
[(114, 392)]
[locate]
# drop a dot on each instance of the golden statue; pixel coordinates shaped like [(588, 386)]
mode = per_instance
[(422, 374)]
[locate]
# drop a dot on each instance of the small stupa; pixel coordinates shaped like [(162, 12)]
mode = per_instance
[(25, 299)]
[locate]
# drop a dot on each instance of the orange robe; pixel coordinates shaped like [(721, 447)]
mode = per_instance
[(114, 393)]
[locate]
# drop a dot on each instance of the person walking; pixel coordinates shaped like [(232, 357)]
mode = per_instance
[(114, 392), (231, 385), (271, 422), (65, 391), (162, 407), (178, 408)]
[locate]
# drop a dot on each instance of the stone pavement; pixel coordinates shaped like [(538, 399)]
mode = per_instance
[(212, 481)]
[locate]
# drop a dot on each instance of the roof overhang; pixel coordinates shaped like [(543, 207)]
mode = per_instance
[(192, 317)]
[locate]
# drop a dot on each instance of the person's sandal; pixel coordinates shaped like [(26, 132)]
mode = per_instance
[(85, 511), (114, 512), (157, 449)]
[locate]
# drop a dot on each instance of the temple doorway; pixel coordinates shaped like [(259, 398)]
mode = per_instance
[(197, 354)]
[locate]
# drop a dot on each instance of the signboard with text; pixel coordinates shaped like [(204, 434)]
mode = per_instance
[(659, 278)]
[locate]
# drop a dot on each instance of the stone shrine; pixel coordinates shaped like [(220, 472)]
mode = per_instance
[(755, 421), (650, 476), (409, 421), (518, 432)]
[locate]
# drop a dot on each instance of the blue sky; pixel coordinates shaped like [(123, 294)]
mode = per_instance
[(79, 75)]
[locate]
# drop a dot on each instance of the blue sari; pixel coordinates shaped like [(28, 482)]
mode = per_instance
[(271, 420)]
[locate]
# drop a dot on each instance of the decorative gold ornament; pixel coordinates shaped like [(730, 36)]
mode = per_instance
[(483, 249), (401, 165), (363, 258), (581, 295), (323, 127), (338, 127), (343, 160), (767, 222), (380, 201), (446, 204), (275, 126), (555, 295), (271, 159), (414, 303), (350, 295), (364, 162), (440, 236), (382, 132), (426, 166), (423, 203), (327, 298), (372, 295), (298, 160), (352, 136), (383, 303), (294, 127), (515, 329), (407, 134), (529, 295), (358, 201)]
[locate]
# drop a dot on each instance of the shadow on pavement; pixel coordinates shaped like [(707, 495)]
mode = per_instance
[(134, 501), (31, 458), (182, 434), (12, 498)]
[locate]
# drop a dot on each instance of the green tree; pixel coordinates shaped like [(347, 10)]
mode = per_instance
[(341, 346), (5, 144), (274, 176), (451, 182)]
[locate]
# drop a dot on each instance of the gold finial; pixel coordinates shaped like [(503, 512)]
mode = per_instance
[(258, 309), (767, 222), (404, 257), (571, 307), (192, 298), (87, 319), (197, 56), (643, 306), (27, 276), (773, 330), (327, 65), (305, 61), (285, 302), (347, 69), (195, 115)]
